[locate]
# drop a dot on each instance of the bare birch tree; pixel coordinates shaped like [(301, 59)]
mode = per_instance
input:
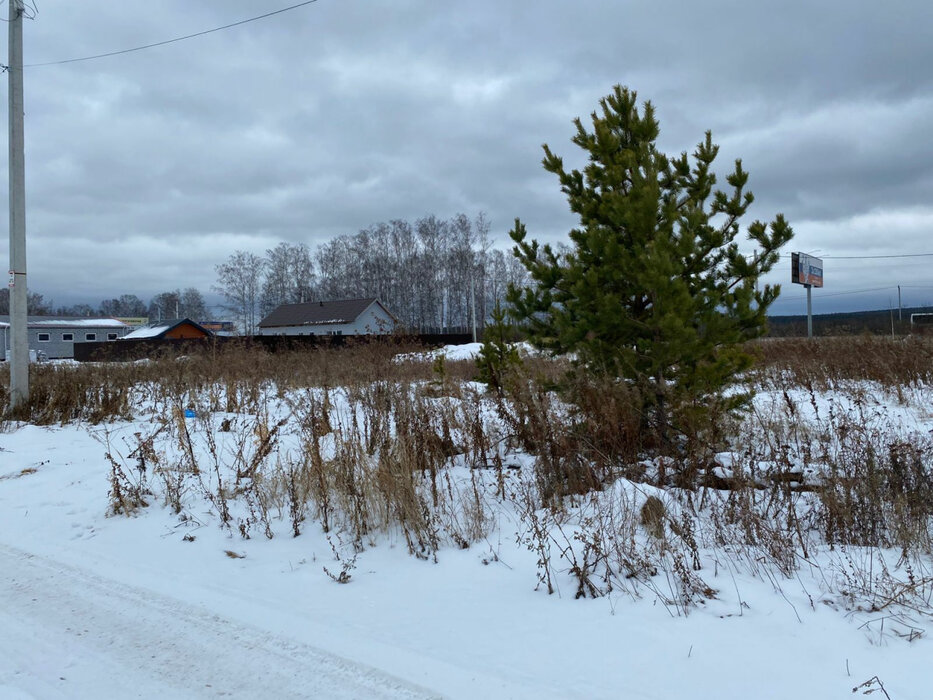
[(239, 280)]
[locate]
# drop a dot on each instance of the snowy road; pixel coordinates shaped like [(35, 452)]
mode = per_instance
[(69, 633)]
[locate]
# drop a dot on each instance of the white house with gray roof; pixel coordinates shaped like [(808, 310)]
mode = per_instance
[(343, 317), (54, 336)]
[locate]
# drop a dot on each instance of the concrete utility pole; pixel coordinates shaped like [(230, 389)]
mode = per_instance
[(19, 341)]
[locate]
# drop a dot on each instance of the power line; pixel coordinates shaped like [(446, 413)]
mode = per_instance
[(867, 257), (876, 257), (172, 41), (28, 10), (858, 291), (861, 266), (840, 294)]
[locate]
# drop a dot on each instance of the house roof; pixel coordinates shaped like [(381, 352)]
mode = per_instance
[(157, 330), (319, 313), (67, 322)]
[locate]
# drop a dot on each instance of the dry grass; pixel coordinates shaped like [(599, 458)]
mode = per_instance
[(823, 362), (363, 446)]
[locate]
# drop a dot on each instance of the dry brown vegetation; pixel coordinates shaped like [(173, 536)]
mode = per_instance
[(819, 478), (891, 361)]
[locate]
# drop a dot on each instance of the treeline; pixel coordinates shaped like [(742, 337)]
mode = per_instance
[(427, 273), (187, 303), (430, 274), (877, 322)]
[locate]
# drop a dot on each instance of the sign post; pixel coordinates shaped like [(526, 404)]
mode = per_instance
[(808, 271)]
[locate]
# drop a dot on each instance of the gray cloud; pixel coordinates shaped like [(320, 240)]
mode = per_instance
[(145, 170)]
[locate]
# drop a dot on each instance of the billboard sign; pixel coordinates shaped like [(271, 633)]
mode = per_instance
[(134, 320), (806, 270)]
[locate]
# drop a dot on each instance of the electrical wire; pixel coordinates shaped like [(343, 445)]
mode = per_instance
[(876, 257), (854, 265), (867, 257), (171, 41), (842, 294), (29, 10)]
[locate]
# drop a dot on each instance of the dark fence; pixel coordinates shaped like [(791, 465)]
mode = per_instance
[(153, 348), (445, 330)]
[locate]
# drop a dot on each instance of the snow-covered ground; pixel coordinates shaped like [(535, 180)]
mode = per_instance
[(93, 606), (467, 351)]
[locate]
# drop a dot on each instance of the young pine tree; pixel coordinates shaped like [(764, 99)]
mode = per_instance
[(497, 357), (654, 289)]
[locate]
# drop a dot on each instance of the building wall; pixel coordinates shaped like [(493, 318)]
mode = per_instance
[(184, 331), (373, 321), (58, 347)]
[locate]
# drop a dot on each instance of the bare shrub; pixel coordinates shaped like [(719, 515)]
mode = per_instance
[(877, 491), (127, 492), (63, 393), (540, 423)]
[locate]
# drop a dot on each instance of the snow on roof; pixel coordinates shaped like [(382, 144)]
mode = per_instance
[(147, 332), (78, 322), (163, 327)]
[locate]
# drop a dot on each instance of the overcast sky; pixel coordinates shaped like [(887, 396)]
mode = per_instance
[(145, 170)]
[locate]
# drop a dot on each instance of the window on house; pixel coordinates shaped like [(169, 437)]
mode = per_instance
[(111, 336), (68, 337), (44, 337), (90, 336)]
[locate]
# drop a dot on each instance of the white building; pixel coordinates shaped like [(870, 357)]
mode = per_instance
[(344, 317), (54, 337)]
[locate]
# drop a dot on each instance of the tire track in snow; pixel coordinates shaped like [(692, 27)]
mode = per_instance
[(70, 633)]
